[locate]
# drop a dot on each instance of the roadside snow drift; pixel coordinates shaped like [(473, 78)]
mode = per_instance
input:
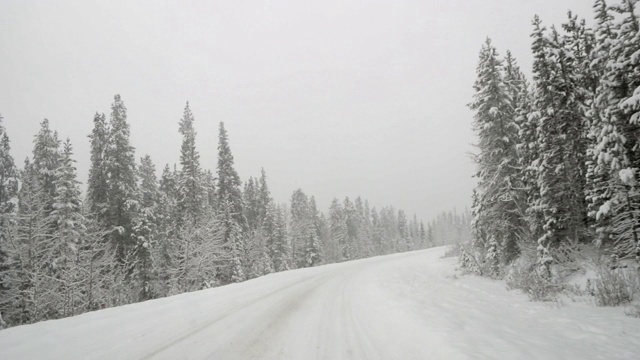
[(404, 306)]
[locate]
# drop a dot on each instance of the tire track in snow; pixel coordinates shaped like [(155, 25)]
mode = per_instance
[(240, 310)]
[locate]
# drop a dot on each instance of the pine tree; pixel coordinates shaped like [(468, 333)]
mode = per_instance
[(68, 238), (191, 191), (29, 245), (97, 186), (46, 157), (600, 140), (67, 207), (8, 175), (423, 236), (8, 196), (349, 251), (561, 165), (496, 207), (264, 196), (299, 227), (145, 229), (338, 232), (313, 248), (210, 190), (251, 205), (230, 210), (403, 231), (228, 185), (618, 128), (122, 191), (377, 233), (277, 242)]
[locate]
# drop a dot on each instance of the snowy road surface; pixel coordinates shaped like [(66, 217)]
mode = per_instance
[(404, 306)]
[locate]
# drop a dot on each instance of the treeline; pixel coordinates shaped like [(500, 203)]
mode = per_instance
[(450, 227), (135, 237), (558, 157)]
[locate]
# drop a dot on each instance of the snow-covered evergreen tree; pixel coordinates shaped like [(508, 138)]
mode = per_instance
[(277, 241), (497, 204), (46, 157), (97, 186), (300, 223), (68, 238), (122, 190), (8, 175), (191, 201), (561, 133), (616, 127), (264, 195), (338, 232), (230, 209), (145, 229), (403, 231), (251, 204), (8, 197), (30, 294), (313, 247)]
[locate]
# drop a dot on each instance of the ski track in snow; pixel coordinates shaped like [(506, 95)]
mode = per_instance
[(403, 306)]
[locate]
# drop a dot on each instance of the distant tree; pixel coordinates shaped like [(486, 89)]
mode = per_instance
[(251, 205), (403, 231), (97, 186), (275, 225), (338, 232)]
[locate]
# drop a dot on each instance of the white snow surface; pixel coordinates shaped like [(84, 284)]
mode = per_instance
[(403, 306)]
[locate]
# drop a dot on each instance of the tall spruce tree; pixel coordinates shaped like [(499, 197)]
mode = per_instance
[(67, 206), (122, 190), (8, 200), (338, 232), (145, 230), (251, 206), (264, 195), (46, 158), (313, 246), (561, 132), (618, 101), (97, 186), (496, 208), (230, 209), (191, 199), (8, 175), (277, 241), (68, 238), (300, 223)]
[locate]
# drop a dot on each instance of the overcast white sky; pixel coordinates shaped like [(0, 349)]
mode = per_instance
[(337, 97)]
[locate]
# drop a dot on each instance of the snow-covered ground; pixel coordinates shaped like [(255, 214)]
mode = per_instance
[(404, 306)]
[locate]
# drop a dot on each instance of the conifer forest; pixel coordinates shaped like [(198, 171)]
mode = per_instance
[(134, 237), (558, 155)]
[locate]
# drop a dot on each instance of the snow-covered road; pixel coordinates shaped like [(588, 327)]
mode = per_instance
[(404, 306)]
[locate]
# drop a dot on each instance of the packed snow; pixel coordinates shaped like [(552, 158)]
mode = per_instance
[(404, 306)]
